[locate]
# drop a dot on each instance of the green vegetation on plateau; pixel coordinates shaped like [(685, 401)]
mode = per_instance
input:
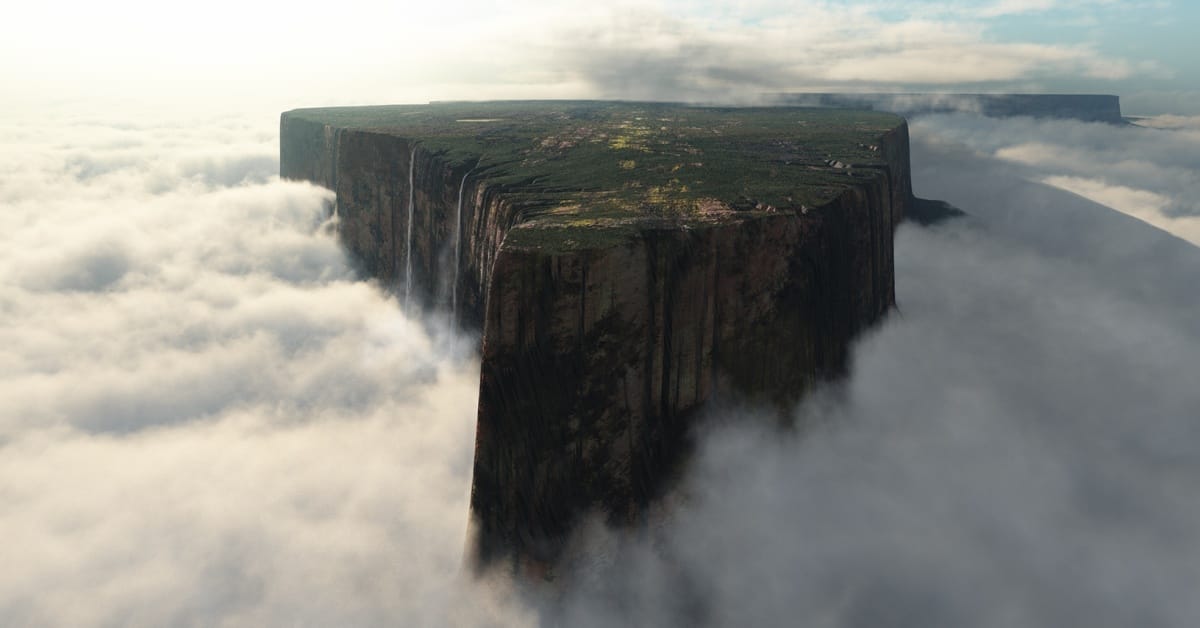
[(615, 167)]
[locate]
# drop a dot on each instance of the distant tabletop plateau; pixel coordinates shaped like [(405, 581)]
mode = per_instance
[(626, 263)]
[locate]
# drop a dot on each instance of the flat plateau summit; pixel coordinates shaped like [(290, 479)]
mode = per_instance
[(627, 263)]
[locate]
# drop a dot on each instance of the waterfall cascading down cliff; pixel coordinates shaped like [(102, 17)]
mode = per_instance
[(408, 269), (457, 249), (605, 331)]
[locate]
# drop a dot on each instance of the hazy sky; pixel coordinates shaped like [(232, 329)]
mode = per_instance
[(363, 51)]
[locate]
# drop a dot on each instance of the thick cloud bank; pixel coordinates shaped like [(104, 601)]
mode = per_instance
[(204, 419)]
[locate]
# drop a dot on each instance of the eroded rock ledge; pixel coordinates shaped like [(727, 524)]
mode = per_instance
[(626, 262)]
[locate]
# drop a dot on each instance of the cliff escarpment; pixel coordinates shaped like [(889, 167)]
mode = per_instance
[(627, 263)]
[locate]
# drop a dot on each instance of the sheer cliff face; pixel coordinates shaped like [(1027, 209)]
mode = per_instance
[(602, 341)]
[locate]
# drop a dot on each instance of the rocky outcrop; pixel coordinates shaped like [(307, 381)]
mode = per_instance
[(608, 324)]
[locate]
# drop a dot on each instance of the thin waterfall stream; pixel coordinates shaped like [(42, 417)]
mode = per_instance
[(412, 195), (457, 249)]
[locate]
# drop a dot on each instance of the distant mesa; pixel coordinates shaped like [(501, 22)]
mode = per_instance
[(1083, 107), (926, 212), (627, 264)]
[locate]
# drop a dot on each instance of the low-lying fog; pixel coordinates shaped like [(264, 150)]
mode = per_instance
[(205, 420)]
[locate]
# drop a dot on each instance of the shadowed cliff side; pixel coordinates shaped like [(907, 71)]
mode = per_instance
[(627, 264)]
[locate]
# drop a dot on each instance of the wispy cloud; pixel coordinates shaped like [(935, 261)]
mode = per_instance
[(1011, 7), (645, 53), (667, 49)]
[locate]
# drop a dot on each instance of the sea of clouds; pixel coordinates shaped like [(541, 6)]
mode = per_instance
[(207, 420)]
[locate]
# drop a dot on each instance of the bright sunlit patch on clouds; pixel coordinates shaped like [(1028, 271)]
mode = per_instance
[(1140, 204), (1172, 122)]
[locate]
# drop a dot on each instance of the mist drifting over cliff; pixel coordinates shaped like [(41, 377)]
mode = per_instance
[(205, 420)]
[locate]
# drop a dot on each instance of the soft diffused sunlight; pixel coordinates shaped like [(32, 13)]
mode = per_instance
[(206, 417), (363, 52)]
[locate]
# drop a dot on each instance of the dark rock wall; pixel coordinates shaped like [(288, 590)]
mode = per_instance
[(595, 361), (307, 151)]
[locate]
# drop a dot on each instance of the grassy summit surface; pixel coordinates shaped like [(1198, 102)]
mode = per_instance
[(599, 169)]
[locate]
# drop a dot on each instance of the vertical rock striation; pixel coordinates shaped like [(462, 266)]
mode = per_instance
[(720, 259)]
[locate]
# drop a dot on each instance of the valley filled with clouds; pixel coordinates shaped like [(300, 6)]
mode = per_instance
[(208, 420)]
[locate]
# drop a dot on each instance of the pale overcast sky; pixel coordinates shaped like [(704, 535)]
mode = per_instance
[(366, 51)]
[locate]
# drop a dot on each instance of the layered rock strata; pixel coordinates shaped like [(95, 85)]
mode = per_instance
[(627, 263)]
